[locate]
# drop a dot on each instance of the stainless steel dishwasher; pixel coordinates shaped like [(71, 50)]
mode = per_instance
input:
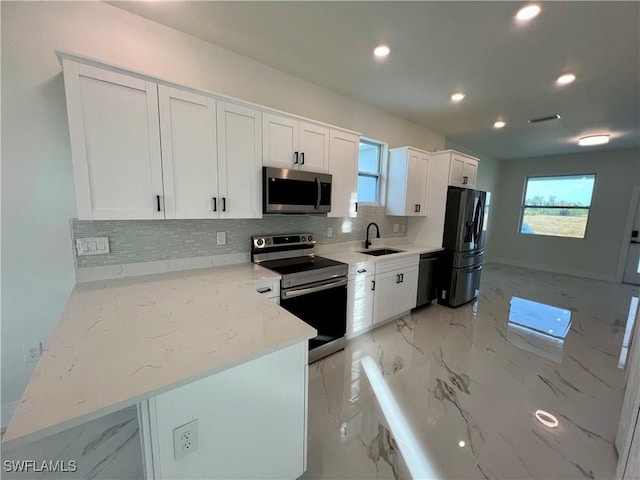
[(427, 278)]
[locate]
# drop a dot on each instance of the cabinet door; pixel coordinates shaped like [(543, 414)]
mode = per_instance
[(470, 173), (405, 298), (239, 161), (360, 296), (457, 170), (314, 147), (422, 184), (115, 143), (411, 207), (189, 159), (343, 166), (386, 285), (280, 141)]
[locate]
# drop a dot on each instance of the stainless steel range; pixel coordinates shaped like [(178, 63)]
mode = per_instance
[(312, 288)]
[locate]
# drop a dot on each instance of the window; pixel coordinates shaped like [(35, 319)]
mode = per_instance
[(369, 171), (557, 206)]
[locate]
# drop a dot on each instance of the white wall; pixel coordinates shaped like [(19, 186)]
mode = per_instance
[(595, 256), (37, 189)]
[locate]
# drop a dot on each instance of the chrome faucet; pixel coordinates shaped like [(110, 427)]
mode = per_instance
[(367, 242)]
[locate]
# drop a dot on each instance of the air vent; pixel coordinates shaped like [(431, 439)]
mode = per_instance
[(545, 119)]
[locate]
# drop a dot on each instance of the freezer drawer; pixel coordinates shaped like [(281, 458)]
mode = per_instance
[(463, 287), (467, 259)]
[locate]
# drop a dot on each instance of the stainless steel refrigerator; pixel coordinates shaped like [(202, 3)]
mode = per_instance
[(463, 241)]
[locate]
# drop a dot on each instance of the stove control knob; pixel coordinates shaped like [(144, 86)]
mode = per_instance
[(310, 238), (268, 241), (303, 238), (259, 242)]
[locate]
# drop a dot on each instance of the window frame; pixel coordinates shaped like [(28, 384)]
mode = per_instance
[(524, 205), (379, 175)]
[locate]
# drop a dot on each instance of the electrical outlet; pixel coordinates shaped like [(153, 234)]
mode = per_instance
[(31, 352), (185, 439), (396, 227), (404, 227), (221, 238), (329, 232)]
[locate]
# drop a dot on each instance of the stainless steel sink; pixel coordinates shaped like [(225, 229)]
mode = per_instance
[(381, 251)]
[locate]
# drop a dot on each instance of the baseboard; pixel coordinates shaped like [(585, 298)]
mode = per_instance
[(7, 412), (552, 269)]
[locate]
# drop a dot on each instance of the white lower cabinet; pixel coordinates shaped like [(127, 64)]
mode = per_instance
[(251, 421), (395, 288), (360, 298)]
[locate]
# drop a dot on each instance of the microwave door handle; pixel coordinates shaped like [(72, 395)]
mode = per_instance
[(319, 193)]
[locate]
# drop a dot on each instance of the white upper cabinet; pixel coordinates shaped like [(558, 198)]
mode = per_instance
[(344, 148), (189, 157), (239, 161), (115, 144), (290, 143), (463, 169), (408, 182)]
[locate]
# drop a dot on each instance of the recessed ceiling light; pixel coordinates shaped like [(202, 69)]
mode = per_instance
[(527, 13), (592, 140), (565, 79), (546, 419), (461, 443), (457, 97), (381, 51), (499, 124)]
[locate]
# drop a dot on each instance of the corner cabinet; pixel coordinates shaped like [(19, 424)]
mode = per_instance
[(115, 143), (408, 182), (292, 143), (344, 149), (143, 150)]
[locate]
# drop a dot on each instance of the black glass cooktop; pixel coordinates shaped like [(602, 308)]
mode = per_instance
[(287, 266)]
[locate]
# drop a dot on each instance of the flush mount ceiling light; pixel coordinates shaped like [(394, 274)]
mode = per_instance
[(527, 13), (546, 419), (565, 79), (381, 51), (499, 124), (593, 140), (457, 97)]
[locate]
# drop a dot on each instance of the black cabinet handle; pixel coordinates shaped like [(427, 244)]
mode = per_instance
[(356, 206), (465, 180), (302, 158), (158, 203), (373, 284), (397, 278), (215, 204), (264, 290), (362, 270), (296, 160), (224, 204), (402, 278), (419, 207)]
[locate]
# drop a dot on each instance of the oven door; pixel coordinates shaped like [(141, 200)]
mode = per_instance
[(322, 305), (295, 191)]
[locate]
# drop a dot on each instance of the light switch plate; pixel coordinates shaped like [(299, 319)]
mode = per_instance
[(221, 238), (396, 227), (329, 232), (92, 245)]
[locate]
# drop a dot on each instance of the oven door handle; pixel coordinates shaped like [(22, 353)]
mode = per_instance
[(304, 291)]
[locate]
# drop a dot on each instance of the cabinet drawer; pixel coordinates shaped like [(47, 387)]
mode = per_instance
[(362, 268), (268, 288), (383, 266)]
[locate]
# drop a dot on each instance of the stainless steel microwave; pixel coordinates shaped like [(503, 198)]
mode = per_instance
[(295, 191)]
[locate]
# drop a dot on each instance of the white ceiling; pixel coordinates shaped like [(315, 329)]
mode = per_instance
[(507, 70)]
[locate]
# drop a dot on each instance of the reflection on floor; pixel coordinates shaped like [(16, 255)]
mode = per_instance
[(442, 393), (452, 393)]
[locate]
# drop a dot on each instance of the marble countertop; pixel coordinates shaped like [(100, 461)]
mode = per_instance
[(121, 341), (351, 253)]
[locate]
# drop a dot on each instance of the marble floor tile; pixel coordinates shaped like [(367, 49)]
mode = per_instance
[(451, 393)]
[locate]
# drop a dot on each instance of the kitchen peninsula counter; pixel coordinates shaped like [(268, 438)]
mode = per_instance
[(120, 342)]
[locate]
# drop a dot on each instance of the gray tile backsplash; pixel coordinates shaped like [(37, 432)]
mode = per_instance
[(134, 241)]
